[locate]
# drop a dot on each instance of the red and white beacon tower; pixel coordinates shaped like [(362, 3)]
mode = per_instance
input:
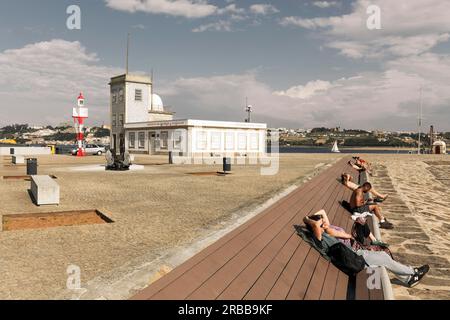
[(80, 112)]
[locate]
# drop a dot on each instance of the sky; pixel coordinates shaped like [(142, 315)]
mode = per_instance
[(301, 63)]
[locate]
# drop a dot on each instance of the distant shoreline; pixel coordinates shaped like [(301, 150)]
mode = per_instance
[(352, 148)]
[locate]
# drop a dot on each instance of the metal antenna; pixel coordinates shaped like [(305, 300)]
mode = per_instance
[(128, 51), (151, 91), (248, 109), (420, 118)]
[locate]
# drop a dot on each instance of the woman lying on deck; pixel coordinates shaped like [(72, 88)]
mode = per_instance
[(328, 237), (356, 239), (346, 180)]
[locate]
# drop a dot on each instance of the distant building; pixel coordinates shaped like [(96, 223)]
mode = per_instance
[(141, 124), (439, 147)]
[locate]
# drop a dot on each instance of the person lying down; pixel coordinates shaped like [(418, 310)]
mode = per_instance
[(328, 236)]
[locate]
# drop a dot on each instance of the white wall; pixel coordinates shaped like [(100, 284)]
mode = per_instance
[(25, 151), (137, 111), (217, 140)]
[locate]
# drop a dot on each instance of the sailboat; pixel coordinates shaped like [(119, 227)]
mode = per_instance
[(335, 147)]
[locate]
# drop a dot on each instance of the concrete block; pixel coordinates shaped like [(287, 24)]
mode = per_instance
[(45, 190), (18, 159)]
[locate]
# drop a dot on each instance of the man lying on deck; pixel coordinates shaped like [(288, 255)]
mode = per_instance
[(408, 275), (359, 205), (360, 165), (346, 180)]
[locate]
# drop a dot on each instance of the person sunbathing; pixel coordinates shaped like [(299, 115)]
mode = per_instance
[(410, 276), (360, 165), (359, 233), (346, 180), (359, 205)]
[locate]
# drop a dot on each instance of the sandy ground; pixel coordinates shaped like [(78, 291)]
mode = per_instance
[(419, 206), (155, 211)]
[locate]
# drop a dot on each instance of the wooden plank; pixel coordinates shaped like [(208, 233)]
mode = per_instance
[(284, 288), (219, 281), (207, 267), (250, 274), (361, 290), (312, 290), (242, 283), (276, 269)]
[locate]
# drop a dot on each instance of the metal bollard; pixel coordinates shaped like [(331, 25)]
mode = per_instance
[(31, 166), (226, 164)]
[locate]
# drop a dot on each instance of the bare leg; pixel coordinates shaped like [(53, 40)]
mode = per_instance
[(377, 210), (377, 194)]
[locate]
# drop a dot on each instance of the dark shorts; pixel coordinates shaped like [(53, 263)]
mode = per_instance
[(362, 209)]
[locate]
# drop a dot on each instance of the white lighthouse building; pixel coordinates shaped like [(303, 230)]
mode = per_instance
[(141, 125)]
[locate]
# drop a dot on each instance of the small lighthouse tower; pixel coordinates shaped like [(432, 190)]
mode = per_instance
[(80, 112)]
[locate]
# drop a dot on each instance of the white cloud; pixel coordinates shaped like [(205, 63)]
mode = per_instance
[(183, 8), (307, 91), (263, 9), (384, 99), (325, 4), (40, 82), (221, 25), (408, 27)]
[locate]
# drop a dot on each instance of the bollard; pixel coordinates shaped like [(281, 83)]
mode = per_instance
[(226, 164), (31, 166), (170, 157)]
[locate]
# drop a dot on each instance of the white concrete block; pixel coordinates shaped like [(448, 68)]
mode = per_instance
[(45, 190), (18, 159)]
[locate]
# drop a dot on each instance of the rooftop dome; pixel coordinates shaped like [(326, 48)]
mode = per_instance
[(157, 103)]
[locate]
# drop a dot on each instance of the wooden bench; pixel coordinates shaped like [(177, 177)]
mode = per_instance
[(265, 258), (44, 190)]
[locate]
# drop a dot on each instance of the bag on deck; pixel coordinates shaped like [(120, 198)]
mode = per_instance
[(345, 259)]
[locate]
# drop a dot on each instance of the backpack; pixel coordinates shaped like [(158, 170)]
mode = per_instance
[(345, 259)]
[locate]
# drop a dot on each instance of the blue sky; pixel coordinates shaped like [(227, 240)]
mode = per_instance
[(302, 63)]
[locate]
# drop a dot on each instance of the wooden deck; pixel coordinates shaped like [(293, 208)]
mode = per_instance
[(266, 259)]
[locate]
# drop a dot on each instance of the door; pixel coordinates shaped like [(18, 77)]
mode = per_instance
[(152, 142), (437, 149), (114, 143), (122, 143)]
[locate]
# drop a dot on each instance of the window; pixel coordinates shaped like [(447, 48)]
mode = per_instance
[(242, 141), (132, 140), (216, 140), (254, 141), (114, 120), (138, 95), (121, 120), (141, 140), (177, 139), (121, 95), (163, 140), (229, 141), (202, 140)]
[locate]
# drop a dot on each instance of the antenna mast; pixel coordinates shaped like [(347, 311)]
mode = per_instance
[(151, 91), (128, 51), (420, 119), (248, 109)]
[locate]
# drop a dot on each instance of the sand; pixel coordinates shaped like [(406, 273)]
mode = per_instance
[(419, 206), (157, 211)]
